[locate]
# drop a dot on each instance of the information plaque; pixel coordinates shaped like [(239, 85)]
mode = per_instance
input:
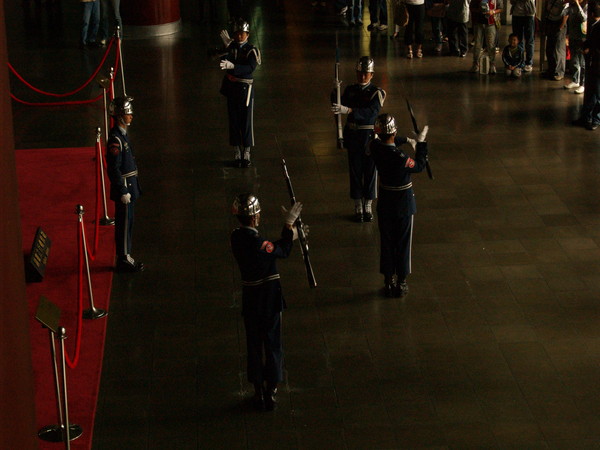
[(35, 265)]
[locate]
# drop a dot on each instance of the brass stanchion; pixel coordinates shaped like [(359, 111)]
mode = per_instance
[(104, 220), (93, 312), (48, 314), (119, 39)]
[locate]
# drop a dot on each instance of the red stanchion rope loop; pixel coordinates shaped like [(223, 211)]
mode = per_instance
[(73, 363), (75, 102), (67, 94)]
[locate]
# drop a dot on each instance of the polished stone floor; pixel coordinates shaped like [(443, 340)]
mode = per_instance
[(497, 344)]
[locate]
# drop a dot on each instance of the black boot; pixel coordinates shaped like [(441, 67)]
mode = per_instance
[(389, 287), (258, 400), (401, 289), (269, 397)]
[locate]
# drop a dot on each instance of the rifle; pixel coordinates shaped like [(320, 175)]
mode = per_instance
[(417, 131), (300, 227), (338, 87)]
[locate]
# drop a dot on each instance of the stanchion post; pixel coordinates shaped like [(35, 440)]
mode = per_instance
[(121, 60), (104, 220), (111, 93), (48, 314), (93, 312)]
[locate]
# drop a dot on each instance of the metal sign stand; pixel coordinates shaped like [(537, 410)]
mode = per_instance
[(48, 314)]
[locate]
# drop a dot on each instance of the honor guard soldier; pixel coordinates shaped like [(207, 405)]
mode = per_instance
[(262, 300), (362, 102), (396, 205), (124, 186), (239, 63)]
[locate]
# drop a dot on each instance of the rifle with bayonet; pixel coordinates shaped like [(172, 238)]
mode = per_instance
[(301, 232), (417, 131), (338, 88)]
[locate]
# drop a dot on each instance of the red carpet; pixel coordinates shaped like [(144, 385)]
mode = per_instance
[(51, 183)]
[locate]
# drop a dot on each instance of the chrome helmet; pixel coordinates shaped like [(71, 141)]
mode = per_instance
[(365, 64), (245, 205), (385, 124), (241, 25), (120, 106)]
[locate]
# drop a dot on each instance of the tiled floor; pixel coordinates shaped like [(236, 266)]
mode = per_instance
[(498, 343)]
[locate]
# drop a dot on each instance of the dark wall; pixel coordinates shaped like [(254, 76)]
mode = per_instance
[(17, 407)]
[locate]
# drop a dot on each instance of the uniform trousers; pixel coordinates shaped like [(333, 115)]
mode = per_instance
[(241, 117), (123, 227), (363, 174), (264, 347), (396, 242)]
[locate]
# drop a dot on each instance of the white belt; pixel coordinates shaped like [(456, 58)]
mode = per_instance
[(261, 281), (353, 126), (130, 174), (396, 188)]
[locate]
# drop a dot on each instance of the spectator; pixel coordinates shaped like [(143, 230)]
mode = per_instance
[(436, 10), (457, 17), (523, 25), (484, 14), (378, 13), (555, 25), (575, 27), (90, 22), (413, 33), (590, 112), (513, 57)]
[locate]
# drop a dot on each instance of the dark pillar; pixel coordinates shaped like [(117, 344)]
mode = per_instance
[(17, 404), (148, 18)]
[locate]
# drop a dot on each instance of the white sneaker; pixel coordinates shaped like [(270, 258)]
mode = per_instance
[(579, 90), (343, 10), (492, 68), (571, 85), (528, 68), (474, 68), (382, 27)]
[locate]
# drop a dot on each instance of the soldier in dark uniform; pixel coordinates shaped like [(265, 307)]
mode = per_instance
[(362, 102), (396, 205), (240, 62), (262, 300), (124, 186)]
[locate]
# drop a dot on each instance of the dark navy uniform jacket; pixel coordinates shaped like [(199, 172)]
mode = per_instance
[(245, 58), (396, 196), (121, 166), (366, 102), (256, 258)]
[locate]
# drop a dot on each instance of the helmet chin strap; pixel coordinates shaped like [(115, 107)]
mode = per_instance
[(122, 121)]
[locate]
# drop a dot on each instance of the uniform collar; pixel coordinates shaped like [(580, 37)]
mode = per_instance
[(123, 130), (364, 86), (251, 228)]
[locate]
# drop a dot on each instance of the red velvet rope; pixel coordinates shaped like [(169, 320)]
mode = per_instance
[(99, 195), (78, 102), (73, 363), (75, 102), (67, 94)]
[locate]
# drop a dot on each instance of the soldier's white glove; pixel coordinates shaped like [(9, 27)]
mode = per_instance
[(423, 134), (337, 108), (126, 198), (294, 233), (226, 65), (412, 142), (225, 38), (292, 215)]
